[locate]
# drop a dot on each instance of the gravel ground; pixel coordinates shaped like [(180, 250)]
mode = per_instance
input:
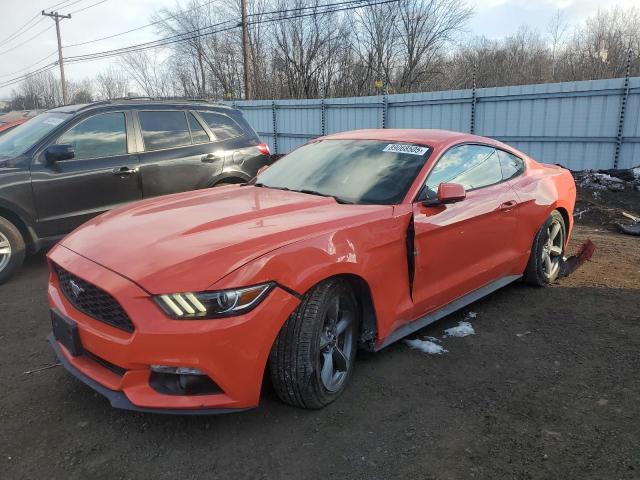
[(548, 387)]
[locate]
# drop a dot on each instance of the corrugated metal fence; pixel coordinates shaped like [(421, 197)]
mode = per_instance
[(581, 125)]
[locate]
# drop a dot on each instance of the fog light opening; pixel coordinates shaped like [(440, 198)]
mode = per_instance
[(181, 381)]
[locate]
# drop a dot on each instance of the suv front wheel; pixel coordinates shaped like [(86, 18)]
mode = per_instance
[(12, 249)]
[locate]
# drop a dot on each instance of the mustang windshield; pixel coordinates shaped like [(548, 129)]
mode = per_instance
[(23, 137), (352, 171)]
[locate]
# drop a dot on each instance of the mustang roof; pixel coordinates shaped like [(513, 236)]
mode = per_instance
[(421, 136)]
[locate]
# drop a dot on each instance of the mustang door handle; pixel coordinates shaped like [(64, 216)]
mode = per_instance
[(209, 158), (506, 206), (124, 171)]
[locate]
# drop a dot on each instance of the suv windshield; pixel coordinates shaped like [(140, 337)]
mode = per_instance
[(23, 137), (351, 171)]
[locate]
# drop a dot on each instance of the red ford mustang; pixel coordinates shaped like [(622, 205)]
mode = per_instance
[(355, 240)]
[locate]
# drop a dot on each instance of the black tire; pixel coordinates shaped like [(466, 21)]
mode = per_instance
[(537, 272), (11, 262), (297, 361)]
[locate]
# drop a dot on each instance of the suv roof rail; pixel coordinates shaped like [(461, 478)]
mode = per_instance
[(151, 99)]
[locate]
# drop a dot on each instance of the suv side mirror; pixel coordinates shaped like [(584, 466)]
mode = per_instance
[(57, 153), (447, 193)]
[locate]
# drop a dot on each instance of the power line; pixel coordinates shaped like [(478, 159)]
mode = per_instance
[(22, 78), (30, 66), (87, 7), (138, 28), (318, 10), (26, 41), (22, 30)]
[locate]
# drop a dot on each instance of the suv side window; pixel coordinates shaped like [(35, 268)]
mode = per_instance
[(222, 126), (198, 134), (511, 165), (103, 135), (472, 166), (164, 129)]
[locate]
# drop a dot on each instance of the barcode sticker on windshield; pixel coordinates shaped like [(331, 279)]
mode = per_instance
[(405, 148), (53, 121)]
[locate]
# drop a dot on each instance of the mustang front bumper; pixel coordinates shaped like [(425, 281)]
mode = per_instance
[(232, 352)]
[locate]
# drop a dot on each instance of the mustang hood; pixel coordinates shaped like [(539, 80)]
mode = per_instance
[(188, 241)]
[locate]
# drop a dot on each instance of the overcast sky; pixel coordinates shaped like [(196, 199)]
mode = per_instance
[(493, 18)]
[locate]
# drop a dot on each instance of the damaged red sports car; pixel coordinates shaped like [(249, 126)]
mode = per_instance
[(181, 304)]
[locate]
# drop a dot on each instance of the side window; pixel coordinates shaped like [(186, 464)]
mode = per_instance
[(511, 165), (103, 135), (164, 129), (222, 126), (198, 135), (472, 166)]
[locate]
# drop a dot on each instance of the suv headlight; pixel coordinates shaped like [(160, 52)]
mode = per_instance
[(220, 304)]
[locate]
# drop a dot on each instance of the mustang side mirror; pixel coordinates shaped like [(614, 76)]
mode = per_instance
[(57, 153), (447, 193)]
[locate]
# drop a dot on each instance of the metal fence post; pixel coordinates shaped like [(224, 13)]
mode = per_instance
[(275, 127), (384, 111), (323, 118), (472, 126), (623, 107)]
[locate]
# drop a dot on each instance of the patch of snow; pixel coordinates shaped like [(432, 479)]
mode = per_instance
[(636, 172), (426, 346), (608, 178), (462, 330), (471, 315), (523, 334)]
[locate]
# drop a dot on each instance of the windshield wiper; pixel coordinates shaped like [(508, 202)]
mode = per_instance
[(314, 192), (262, 185)]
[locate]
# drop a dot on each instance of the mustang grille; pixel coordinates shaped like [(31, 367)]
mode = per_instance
[(92, 300)]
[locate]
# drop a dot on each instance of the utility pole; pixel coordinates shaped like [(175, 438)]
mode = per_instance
[(57, 17), (246, 51)]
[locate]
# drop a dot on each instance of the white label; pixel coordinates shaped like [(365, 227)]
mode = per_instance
[(405, 148), (53, 121)]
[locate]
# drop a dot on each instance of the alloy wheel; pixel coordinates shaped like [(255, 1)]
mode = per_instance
[(336, 343), (552, 249), (5, 251)]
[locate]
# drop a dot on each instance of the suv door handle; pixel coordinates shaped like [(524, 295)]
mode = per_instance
[(209, 158), (124, 171), (506, 206)]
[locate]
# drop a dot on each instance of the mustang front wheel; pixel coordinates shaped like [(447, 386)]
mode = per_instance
[(312, 359), (547, 251)]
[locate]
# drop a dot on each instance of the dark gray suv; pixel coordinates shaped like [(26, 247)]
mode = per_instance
[(71, 163)]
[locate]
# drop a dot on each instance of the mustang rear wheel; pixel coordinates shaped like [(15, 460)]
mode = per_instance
[(12, 249), (312, 359), (547, 251)]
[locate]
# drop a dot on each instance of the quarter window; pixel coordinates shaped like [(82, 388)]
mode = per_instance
[(164, 129), (472, 166), (222, 126), (511, 165), (103, 135), (198, 135)]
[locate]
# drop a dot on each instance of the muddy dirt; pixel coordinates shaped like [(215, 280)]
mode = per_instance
[(547, 388)]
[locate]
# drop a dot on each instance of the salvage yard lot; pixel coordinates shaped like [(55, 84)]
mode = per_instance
[(548, 387)]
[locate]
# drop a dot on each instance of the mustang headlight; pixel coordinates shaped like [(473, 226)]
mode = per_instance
[(223, 303)]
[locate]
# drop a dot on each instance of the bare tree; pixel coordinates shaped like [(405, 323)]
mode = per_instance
[(556, 30), (112, 83), (425, 28), (149, 73)]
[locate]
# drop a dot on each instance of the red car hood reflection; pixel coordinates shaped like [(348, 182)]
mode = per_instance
[(188, 241)]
